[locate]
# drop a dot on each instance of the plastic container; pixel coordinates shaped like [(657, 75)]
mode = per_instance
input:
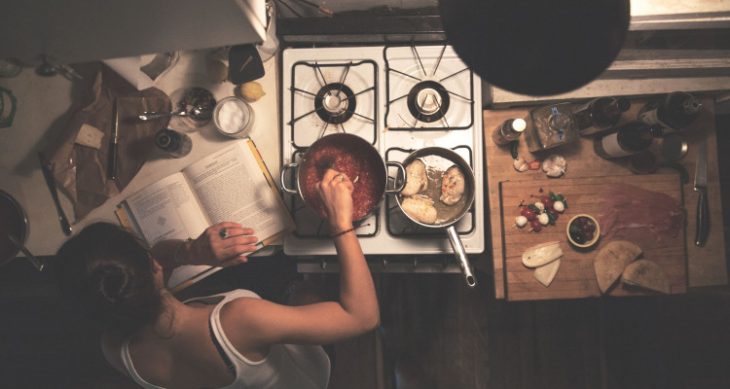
[(233, 117)]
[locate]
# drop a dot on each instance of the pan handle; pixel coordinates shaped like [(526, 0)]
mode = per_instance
[(402, 171), (282, 179), (458, 247)]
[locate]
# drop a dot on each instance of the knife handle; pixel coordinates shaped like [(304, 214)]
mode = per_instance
[(703, 217), (112, 163)]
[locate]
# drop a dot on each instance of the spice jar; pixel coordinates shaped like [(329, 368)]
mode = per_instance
[(233, 117), (508, 131)]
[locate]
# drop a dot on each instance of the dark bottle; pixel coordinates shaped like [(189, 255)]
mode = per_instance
[(600, 114), (174, 143), (676, 111), (627, 139), (510, 130)]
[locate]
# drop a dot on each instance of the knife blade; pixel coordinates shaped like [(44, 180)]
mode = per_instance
[(700, 186), (113, 142), (51, 183)]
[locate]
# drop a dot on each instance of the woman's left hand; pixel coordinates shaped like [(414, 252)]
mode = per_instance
[(223, 244)]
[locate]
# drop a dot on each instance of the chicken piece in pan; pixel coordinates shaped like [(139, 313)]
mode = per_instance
[(421, 208), (452, 186), (416, 178)]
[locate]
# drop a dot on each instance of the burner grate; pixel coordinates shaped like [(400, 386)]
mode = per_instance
[(333, 97), (434, 91)]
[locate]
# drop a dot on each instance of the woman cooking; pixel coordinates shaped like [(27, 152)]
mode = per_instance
[(232, 340)]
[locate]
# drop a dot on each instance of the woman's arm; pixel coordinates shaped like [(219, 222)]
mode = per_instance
[(253, 323), (210, 248)]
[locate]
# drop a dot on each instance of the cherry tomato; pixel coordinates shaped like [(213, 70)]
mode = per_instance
[(536, 226), (548, 203), (528, 213)]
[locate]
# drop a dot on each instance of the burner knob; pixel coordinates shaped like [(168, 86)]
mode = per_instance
[(384, 263), (415, 263), (323, 264)]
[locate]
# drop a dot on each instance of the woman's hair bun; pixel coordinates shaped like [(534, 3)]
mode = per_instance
[(111, 280)]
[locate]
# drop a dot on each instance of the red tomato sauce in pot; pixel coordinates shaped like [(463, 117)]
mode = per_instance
[(357, 164)]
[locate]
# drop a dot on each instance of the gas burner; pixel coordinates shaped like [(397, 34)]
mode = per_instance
[(427, 88), (333, 97), (335, 103), (428, 101)]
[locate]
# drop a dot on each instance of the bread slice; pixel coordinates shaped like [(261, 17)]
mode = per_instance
[(542, 254), (611, 261), (646, 274), (546, 273)]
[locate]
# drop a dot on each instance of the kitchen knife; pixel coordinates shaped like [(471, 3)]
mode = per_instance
[(51, 183), (703, 212), (113, 143)]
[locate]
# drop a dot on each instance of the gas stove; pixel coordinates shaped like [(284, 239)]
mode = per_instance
[(400, 99)]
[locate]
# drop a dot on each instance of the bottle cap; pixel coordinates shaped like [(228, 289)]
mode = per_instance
[(519, 125)]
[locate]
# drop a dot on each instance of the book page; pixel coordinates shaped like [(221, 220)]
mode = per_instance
[(167, 209), (231, 186)]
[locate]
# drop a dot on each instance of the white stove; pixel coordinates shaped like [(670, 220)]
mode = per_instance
[(400, 99)]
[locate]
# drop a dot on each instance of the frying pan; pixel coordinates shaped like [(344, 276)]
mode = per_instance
[(12, 221), (437, 161)]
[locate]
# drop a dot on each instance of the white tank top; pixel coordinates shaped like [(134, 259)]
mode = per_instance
[(286, 366)]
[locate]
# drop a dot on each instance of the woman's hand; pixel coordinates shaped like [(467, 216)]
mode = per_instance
[(335, 189), (223, 244)]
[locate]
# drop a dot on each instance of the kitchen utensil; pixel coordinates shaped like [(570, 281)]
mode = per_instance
[(195, 112), (113, 144), (437, 161), (13, 221), (51, 183), (703, 211), (536, 47), (576, 277), (37, 263), (328, 152)]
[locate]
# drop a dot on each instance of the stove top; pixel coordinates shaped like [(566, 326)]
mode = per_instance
[(398, 98)]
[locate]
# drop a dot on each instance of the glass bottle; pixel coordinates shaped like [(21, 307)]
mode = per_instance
[(175, 144), (508, 131), (599, 115), (628, 139), (676, 110)]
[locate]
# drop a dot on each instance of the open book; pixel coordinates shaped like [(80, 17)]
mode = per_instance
[(232, 184)]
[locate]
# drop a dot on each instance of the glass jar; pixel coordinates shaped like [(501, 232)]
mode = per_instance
[(553, 126)]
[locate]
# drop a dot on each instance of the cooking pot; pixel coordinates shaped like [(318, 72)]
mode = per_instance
[(437, 161), (13, 221), (351, 155)]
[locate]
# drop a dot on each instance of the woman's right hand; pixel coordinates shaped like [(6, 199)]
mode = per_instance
[(335, 189)]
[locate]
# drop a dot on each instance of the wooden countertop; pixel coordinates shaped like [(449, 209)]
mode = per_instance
[(706, 266)]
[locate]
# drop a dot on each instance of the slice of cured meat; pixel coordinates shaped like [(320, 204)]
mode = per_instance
[(644, 216)]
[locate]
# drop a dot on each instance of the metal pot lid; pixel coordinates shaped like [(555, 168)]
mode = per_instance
[(536, 47)]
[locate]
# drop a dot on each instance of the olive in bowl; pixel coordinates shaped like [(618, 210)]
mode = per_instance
[(583, 231)]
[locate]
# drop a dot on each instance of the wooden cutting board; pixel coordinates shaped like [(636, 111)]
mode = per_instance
[(576, 277)]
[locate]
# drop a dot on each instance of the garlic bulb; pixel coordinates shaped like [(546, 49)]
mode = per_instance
[(554, 166), (520, 164)]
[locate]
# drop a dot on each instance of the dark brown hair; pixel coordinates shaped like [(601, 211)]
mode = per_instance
[(108, 273)]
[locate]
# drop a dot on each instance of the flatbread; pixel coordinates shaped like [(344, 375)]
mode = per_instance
[(542, 254), (646, 274), (546, 273), (611, 261)]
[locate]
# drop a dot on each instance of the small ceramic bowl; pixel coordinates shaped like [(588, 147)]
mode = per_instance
[(578, 226)]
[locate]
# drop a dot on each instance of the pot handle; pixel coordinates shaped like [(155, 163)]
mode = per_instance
[(282, 179), (458, 247), (403, 171)]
